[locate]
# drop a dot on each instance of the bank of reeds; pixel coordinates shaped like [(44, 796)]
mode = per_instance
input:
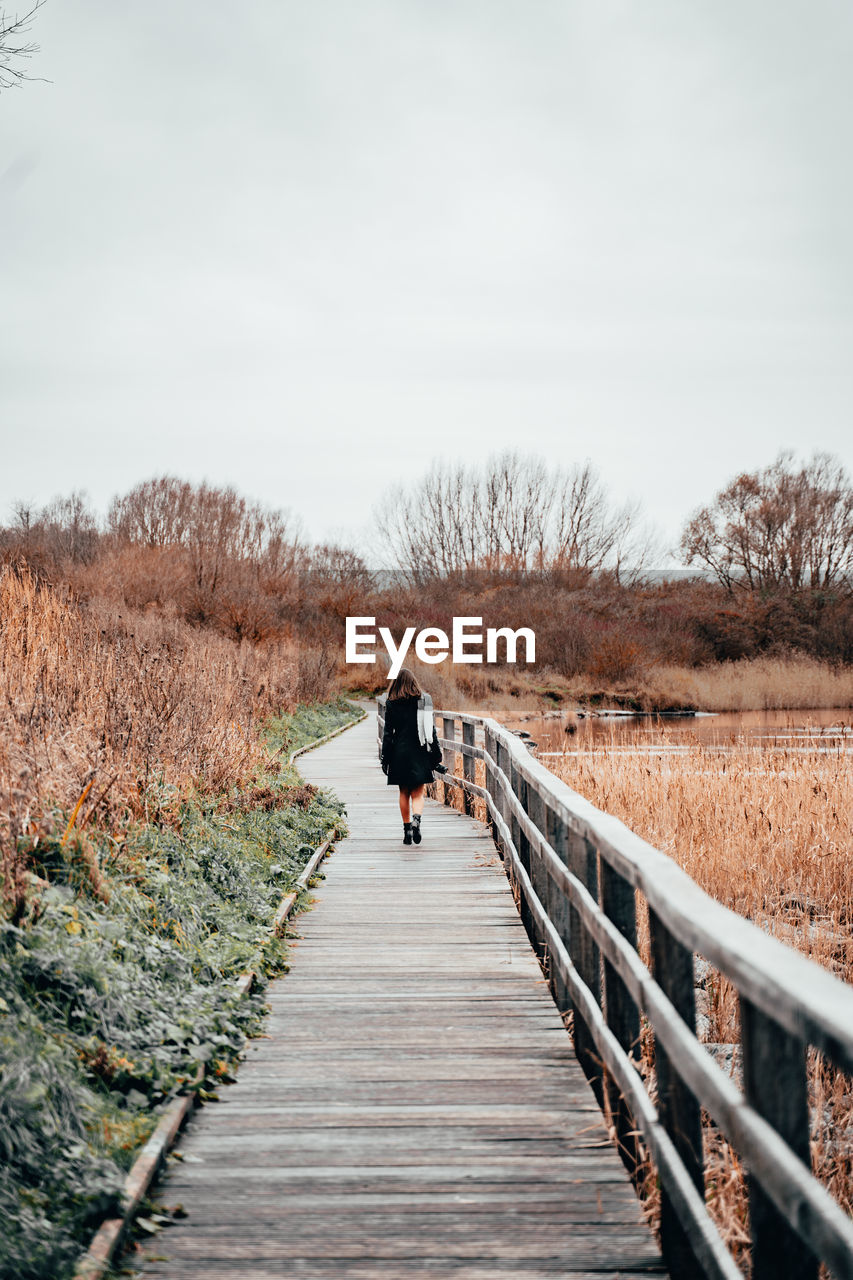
[(767, 829), (113, 715), (752, 684)]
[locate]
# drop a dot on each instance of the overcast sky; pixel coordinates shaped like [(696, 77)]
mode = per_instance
[(306, 247)]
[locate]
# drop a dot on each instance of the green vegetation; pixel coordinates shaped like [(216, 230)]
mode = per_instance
[(308, 722), (111, 1002)]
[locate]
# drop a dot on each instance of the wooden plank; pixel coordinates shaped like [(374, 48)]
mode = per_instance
[(382, 1269)]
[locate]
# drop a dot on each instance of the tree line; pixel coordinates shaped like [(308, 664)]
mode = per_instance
[(787, 526), (527, 543), (784, 527), (514, 513)]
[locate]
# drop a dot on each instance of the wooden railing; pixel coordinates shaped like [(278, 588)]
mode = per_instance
[(578, 872)]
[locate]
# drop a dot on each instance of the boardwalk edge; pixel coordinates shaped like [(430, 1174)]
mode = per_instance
[(99, 1255)]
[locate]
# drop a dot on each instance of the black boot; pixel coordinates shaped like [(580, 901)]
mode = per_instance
[(407, 833), (416, 828)]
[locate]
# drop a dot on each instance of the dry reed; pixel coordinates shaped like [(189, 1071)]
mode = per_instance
[(126, 711), (753, 684), (767, 829), (764, 827)]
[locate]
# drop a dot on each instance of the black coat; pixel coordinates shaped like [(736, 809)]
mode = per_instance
[(407, 762)]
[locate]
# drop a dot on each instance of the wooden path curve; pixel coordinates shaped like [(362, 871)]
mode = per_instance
[(417, 1110)]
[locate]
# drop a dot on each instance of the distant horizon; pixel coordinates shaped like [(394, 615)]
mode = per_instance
[(360, 540)]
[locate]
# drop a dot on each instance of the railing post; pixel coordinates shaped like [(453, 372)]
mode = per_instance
[(556, 833), (380, 724), (775, 1084), (586, 957), (495, 752), (502, 758), (535, 810), (468, 766), (521, 843), (619, 903), (448, 754), (672, 968), (491, 784)]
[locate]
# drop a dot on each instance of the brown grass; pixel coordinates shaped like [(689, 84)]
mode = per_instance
[(123, 713), (751, 684), (748, 684), (754, 684), (768, 831), (765, 829)]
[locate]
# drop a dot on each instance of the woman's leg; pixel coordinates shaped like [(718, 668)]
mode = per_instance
[(405, 806), (417, 810)]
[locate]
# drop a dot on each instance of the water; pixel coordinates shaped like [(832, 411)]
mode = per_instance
[(808, 729)]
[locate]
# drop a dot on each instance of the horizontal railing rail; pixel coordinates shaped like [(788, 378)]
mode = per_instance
[(577, 871)]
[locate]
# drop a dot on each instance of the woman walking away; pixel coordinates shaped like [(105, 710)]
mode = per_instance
[(410, 750)]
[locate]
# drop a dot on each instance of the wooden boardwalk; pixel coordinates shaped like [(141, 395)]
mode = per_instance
[(417, 1111)]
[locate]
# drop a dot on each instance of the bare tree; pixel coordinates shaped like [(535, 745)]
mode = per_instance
[(13, 53), (155, 512), (782, 527), (63, 532), (514, 513), (70, 528), (589, 532), (516, 501), (336, 578), (25, 517), (430, 529), (217, 529), (278, 550)]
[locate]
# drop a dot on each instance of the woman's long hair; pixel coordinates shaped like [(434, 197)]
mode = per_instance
[(404, 686)]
